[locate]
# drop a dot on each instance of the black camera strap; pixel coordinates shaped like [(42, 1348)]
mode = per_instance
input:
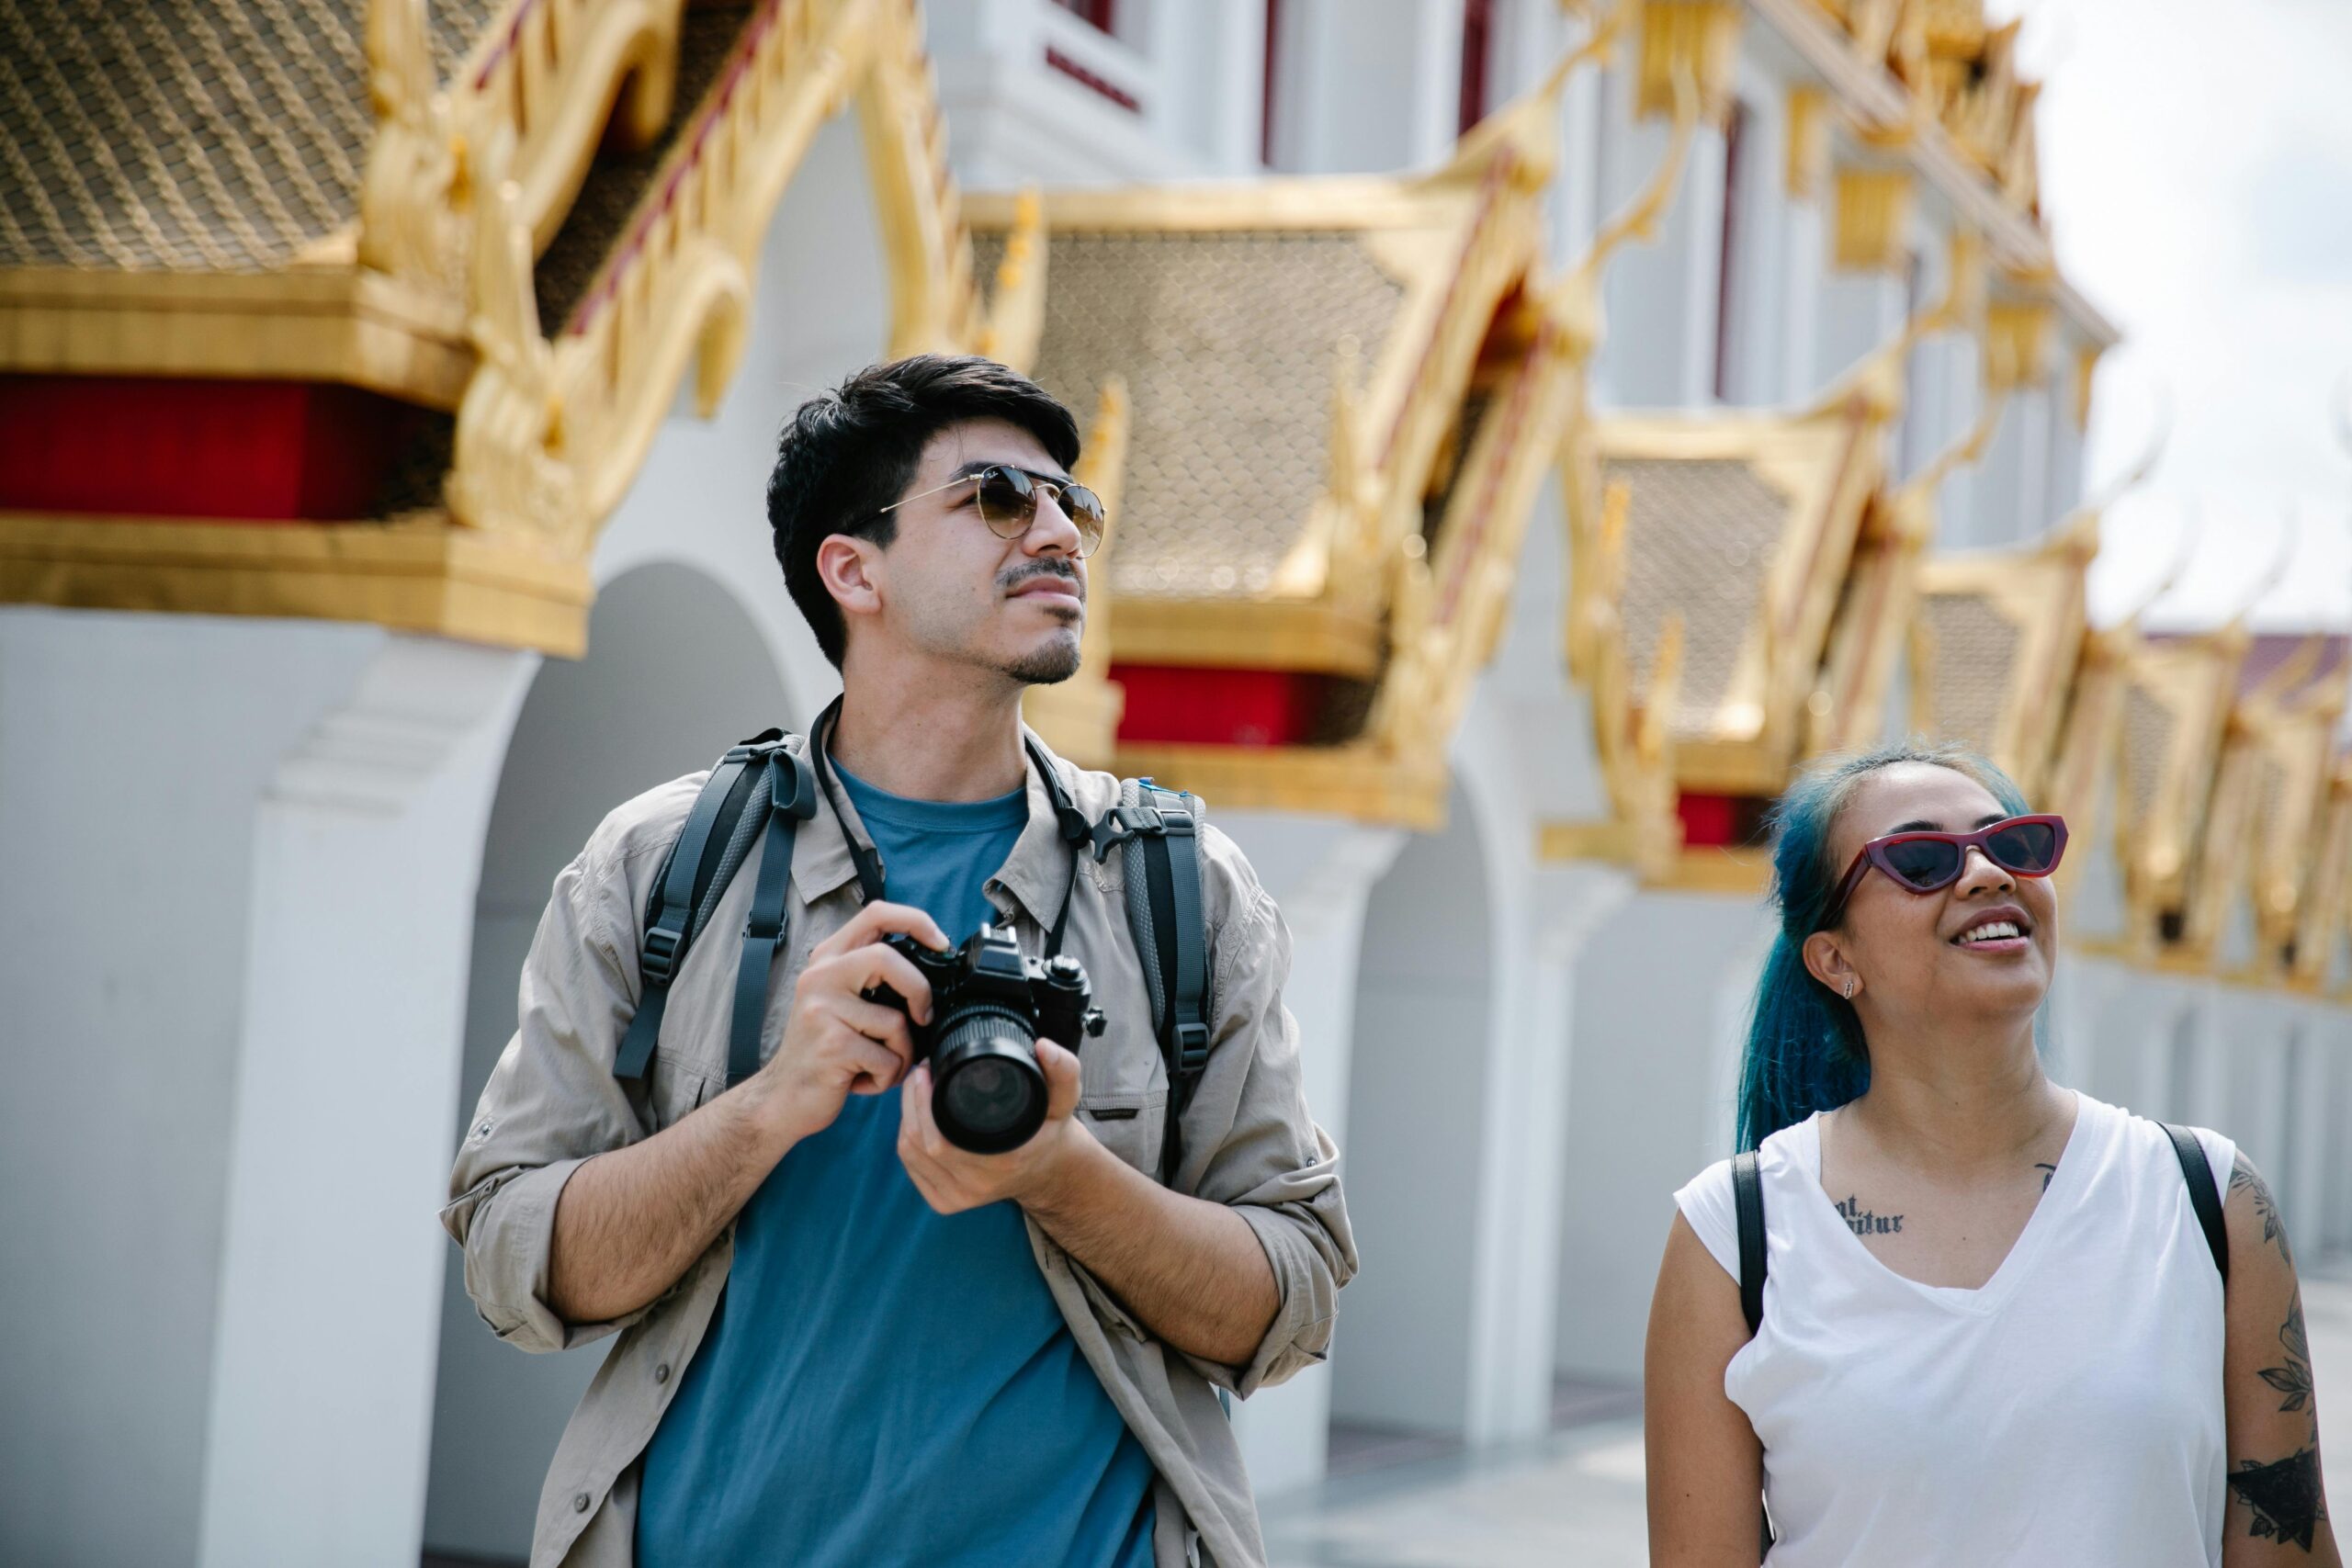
[(871, 873)]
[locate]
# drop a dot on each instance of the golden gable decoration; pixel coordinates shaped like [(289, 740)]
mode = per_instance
[(2289, 721), (537, 214), (1341, 394), (2177, 697)]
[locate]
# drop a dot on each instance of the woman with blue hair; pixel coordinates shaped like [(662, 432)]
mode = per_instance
[(1978, 1318)]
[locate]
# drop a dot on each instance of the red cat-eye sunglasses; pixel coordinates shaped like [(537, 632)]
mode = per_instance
[(1925, 862)]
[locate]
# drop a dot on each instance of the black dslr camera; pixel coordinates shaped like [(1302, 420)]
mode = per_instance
[(989, 1004)]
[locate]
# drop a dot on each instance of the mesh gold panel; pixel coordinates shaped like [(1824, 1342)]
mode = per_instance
[(1975, 652), (1228, 342), (192, 135), (2147, 734), (1699, 535)]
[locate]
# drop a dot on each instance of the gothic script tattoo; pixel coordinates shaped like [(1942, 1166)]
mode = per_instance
[(2241, 1175), (1862, 1222), (2294, 1379), (2284, 1497), (2047, 1172)]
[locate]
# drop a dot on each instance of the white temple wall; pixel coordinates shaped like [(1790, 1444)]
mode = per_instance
[(136, 751)]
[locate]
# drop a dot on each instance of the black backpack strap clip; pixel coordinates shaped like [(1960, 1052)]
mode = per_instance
[(2203, 1196), (1747, 1202)]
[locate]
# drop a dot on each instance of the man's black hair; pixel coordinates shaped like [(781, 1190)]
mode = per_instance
[(847, 453)]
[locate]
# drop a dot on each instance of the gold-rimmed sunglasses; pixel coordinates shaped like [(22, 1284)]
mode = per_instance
[(1008, 499)]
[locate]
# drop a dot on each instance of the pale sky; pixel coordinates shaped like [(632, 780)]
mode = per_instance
[(2196, 172)]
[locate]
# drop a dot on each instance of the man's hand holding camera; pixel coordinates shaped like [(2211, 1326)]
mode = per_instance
[(836, 1039), (952, 1179)]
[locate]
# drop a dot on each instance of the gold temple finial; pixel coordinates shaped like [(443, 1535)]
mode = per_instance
[(1016, 315), (1639, 217), (1528, 127), (2183, 553), (2290, 538), (2300, 665), (1878, 377), (1661, 695), (2078, 529), (1910, 504)]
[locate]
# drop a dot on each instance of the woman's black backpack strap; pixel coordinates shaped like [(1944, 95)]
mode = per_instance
[(2203, 1196), (1748, 1201), (719, 832)]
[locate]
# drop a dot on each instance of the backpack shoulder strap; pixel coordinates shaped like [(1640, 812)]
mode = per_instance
[(1748, 1201), (1159, 831), (710, 847), (2203, 1196)]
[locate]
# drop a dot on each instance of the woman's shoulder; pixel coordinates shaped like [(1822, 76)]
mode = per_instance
[(1710, 1204), (2147, 1137)]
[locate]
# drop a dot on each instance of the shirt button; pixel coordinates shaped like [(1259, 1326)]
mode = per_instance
[(580, 1504), (661, 1372)]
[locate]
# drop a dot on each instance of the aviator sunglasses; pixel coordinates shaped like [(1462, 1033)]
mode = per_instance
[(1008, 499), (1925, 862)]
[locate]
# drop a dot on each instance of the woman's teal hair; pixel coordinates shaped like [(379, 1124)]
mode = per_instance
[(1806, 1051)]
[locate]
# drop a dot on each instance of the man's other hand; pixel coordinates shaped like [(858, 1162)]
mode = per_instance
[(952, 1179)]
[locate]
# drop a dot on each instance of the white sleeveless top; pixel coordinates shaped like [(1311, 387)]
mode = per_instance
[(2068, 1411)]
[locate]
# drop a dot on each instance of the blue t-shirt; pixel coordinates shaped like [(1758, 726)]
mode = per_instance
[(880, 1383)]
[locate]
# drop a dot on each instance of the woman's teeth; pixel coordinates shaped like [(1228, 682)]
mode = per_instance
[(1992, 931)]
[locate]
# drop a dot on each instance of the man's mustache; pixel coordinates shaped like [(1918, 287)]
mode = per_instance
[(1047, 568)]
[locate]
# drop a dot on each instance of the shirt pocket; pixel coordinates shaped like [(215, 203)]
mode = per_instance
[(680, 1085), (1131, 1124)]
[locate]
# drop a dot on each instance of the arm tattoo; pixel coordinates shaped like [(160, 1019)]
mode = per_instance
[(2241, 1175), (1862, 1222), (2047, 1172), (2294, 1379), (2284, 1497)]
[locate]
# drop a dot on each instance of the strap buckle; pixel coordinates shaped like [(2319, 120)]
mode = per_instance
[(1191, 1049), (802, 801), (659, 960)]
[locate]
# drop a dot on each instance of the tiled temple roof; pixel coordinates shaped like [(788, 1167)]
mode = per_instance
[(187, 135), (1226, 342)]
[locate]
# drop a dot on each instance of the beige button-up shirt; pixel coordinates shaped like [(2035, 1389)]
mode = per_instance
[(553, 1102)]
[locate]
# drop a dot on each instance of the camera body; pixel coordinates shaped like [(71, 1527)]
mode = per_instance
[(989, 1005)]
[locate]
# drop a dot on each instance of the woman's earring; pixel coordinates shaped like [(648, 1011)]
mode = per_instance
[(1850, 988)]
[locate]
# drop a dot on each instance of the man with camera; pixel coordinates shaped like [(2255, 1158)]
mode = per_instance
[(915, 1286)]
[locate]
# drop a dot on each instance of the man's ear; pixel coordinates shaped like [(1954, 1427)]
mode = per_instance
[(1826, 960), (852, 571)]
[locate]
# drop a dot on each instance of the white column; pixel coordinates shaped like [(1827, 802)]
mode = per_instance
[(366, 855), (133, 750), (1660, 297), (1516, 1299), (1369, 85), (1661, 995), (1320, 871)]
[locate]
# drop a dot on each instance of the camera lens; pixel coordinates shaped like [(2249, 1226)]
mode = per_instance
[(987, 1097), (990, 1096)]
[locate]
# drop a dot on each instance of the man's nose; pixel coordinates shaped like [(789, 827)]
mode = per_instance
[(1051, 529)]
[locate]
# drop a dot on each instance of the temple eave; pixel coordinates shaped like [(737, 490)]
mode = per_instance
[(419, 574)]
